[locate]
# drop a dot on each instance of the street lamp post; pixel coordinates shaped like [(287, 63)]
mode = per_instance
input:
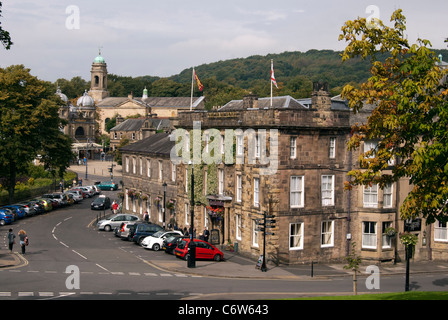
[(191, 263), (164, 203)]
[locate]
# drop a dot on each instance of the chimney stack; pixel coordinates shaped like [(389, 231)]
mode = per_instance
[(250, 101)]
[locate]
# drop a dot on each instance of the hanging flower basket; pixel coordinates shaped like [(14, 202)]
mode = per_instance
[(171, 204), (131, 193), (145, 197), (157, 200), (408, 239), (390, 232), (217, 212)]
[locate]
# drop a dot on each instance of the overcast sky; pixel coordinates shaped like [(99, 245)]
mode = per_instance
[(161, 38)]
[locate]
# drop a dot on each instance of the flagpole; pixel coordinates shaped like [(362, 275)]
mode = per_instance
[(192, 86), (272, 68)]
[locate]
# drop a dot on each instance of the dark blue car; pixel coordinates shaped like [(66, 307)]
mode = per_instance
[(18, 209), (6, 216)]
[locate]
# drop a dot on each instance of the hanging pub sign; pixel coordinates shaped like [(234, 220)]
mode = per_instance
[(413, 225)]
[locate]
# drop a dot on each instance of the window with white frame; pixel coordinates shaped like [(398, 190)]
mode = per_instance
[(238, 225), (328, 190), (257, 146), (292, 147), (239, 187), (440, 231), (187, 214), (126, 200), (148, 206), (370, 146), (186, 180), (127, 164), (220, 181), (387, 196), (296, 194), (206, 218), (327, 234), (239, 145), (255, 233), (332, 151), (256, 192), (160, 170), (141, 166), (222, 144), (370, 196), (148, 168), (296, 236), (173, 172), (369, 235), (387, 241), (134, 165)]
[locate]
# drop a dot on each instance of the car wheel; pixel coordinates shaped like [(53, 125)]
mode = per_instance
[(2, 222), (217, 257), (187, 256), (107, 228), (111, 189), (156, 247)]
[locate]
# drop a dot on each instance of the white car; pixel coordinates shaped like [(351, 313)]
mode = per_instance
[(155, 241), (77, 196)]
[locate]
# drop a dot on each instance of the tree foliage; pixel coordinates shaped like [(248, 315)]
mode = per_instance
[(29, 125), (410, 118), (5, 37)]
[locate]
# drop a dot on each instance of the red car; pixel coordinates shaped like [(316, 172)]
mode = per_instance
[(204, 250)]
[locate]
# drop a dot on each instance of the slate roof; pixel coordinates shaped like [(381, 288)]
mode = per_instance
[(265, 103), (137, 124), (157, 144), (179, 102)]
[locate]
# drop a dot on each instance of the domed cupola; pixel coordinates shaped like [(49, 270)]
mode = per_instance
[(99, 59), (61, 95), (85, 101)]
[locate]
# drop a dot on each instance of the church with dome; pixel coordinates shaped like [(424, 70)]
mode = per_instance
[(87, 120)]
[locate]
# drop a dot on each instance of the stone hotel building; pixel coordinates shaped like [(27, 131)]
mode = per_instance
[(288, 158)]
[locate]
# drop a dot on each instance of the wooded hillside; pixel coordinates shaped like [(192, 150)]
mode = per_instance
[(231, 79)]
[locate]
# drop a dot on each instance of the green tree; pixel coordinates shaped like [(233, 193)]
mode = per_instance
[(410, 118), (29, 125), (5, 38)]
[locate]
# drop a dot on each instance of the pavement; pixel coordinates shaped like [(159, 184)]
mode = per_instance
[(236, 265)]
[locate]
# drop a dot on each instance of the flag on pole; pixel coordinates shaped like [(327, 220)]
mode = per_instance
[(272, 74), (200, 86)]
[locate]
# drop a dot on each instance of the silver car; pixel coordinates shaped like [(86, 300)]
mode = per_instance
[(115, 221)]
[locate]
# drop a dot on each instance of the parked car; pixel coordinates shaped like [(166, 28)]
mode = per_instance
[(115, 221), (100, 203), (204, 250), (6, 216), (76, 195), (170, 243), (38, 206), (141, 230), (18, 210), (155, 241), (94, 189), (61, 198), (88, 191), (107, 185), (29, 208), (79, 190), (46, 204), (124, 230)]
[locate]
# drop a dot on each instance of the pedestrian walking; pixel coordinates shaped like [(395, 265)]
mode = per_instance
[(146, 216), (23, 238), (115, 207), (206, 234), (11, 241)]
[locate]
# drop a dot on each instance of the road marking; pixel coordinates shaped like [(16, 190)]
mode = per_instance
[(79, 254), (63, 244), (46, 294), (5, 294), (102, 268), (26, 294)]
